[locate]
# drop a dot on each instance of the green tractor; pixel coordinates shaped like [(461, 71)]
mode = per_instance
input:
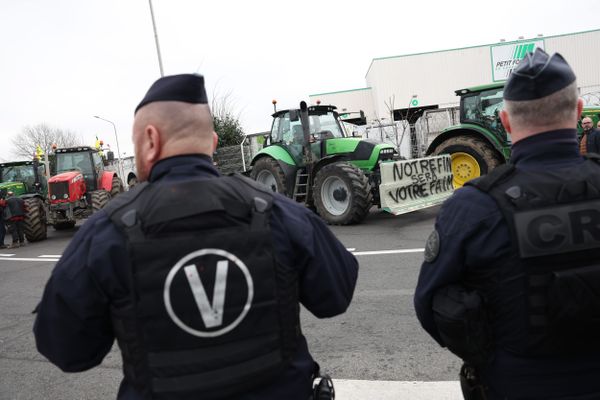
[(310, 159), (479, 143), (26, 179)]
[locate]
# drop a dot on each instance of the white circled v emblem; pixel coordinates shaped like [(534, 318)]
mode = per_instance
[(212, 315)]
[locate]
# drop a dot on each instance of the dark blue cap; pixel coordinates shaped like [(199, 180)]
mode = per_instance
[(538, 75), (188, 88)]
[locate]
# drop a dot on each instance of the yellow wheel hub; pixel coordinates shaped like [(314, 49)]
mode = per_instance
[(464, 168)]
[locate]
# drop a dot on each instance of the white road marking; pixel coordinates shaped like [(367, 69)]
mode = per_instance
[(377, 252), (350, 389), (56, 257)]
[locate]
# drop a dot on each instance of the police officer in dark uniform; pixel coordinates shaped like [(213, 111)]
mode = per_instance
[(198, 277), (511, 277)]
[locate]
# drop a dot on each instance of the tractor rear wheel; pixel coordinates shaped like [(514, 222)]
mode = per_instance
[(132, 181), (471, 157), (61, 226), (268, 172), (35, 220), (99, 199), (116, 187), (342, 194)]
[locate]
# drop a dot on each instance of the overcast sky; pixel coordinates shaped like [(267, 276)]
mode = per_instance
[(64, 61)]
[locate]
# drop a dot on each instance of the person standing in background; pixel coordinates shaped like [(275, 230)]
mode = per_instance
[(589, 142)]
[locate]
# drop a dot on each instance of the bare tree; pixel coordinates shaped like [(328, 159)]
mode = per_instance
[(43, 135), (402, 127)]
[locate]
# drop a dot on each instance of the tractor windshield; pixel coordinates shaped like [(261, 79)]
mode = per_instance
[(17, 173), (323, 124), (326, 124), (483, 108), (74, 162)]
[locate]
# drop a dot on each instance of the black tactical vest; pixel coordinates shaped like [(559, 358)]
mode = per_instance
[(553, 270), (211, 313)]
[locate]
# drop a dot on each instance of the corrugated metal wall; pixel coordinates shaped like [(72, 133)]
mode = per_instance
[(434, 77), (582, 52)]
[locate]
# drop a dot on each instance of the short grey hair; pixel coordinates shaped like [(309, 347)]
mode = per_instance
[(554, 109)]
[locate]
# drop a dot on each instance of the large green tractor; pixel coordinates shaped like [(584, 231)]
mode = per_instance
[(479, 143), (310, 159), (26, 179)]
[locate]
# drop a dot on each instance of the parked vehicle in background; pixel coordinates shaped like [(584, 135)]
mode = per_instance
[(128, 166), (80, 187), (27, 180), (310, 158)]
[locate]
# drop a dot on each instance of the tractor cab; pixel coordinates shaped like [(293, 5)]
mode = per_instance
[(287, 131), (22, 177), (85, 160), (481, 106)]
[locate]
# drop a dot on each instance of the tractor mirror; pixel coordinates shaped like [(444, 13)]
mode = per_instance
[(110, 155), (294, 115), (363, 118)]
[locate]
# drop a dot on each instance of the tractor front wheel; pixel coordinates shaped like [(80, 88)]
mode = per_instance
[(99, 199), (132, 181), (471, 157), (268, 172), (35, 220), (342, 194)]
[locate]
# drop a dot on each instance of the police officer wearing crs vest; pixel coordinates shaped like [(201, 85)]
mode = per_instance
[(511, 277), (198, 277)]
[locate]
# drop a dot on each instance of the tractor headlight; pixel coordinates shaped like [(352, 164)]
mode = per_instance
[(65, 196), (53, 197), (386, 154)]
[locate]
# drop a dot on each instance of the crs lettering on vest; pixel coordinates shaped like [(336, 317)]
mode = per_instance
[(558, 229), (185, 292)]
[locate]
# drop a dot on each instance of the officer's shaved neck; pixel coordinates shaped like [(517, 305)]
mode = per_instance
[(170, 128)]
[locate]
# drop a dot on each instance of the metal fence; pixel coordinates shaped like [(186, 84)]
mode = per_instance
[(433, 122)]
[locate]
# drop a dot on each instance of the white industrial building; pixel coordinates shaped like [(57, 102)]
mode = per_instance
[(412, 83)]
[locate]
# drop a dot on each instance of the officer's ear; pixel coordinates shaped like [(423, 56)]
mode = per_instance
[(215, 142), (153, 144), (579, 108), (505, 121)]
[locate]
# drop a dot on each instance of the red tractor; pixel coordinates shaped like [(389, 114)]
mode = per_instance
[(80, 187)]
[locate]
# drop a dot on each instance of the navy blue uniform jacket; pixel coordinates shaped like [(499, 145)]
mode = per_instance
[(73, 328), (473, 234)]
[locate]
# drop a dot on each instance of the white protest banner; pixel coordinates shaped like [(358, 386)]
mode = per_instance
[(411, 185)]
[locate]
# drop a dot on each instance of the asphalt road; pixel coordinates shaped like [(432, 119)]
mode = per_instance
[(377, 339)]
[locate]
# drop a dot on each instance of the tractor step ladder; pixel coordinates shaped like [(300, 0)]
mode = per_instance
[(301, 186)]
